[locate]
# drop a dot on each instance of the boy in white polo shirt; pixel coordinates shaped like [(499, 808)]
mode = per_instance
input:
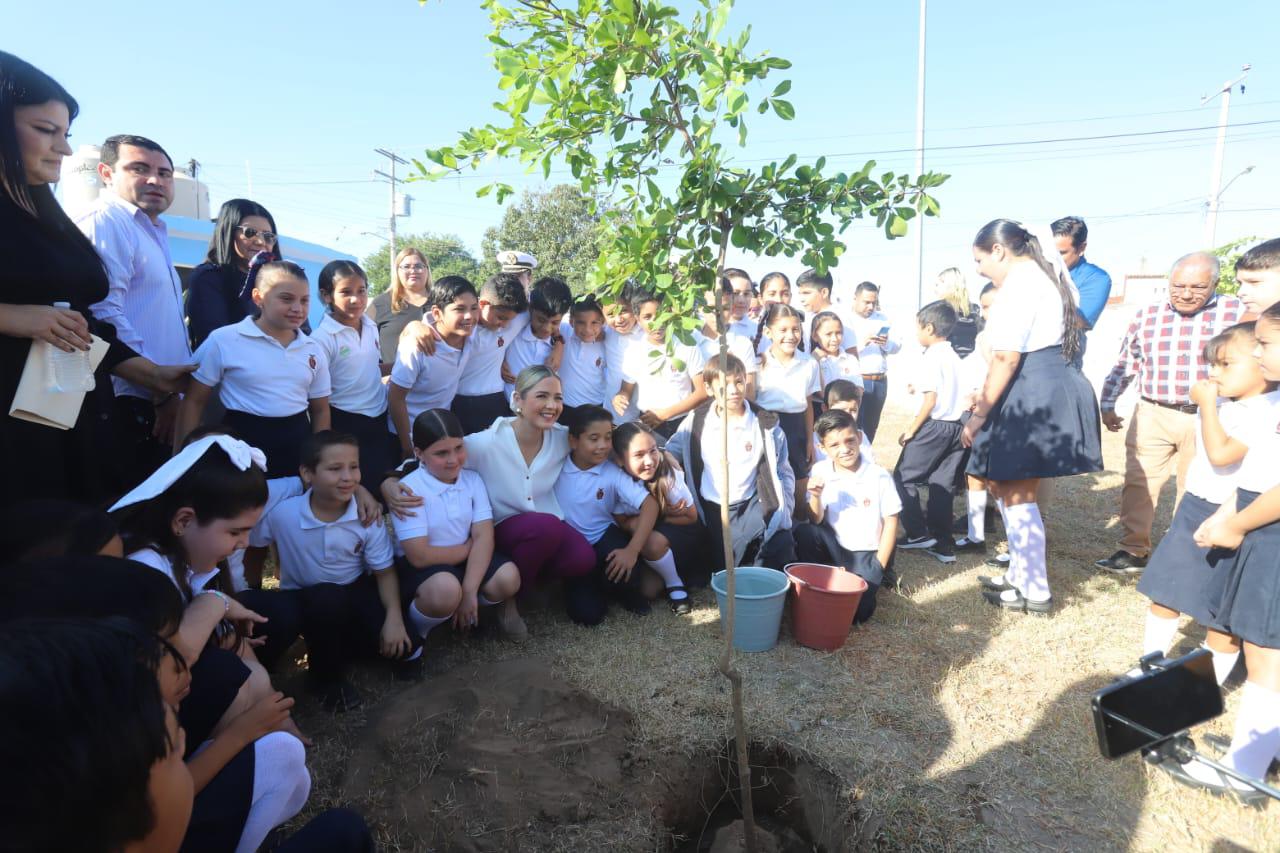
[(932, 453), (337, 577), (620, 334), (583, 369), (666, 385), (539, 342), (481, 397), (856, 507), (590, 490), (419, 381)]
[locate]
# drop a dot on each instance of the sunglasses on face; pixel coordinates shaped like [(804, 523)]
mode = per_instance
[(250, 233)]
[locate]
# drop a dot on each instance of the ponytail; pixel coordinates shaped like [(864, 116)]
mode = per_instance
[(773, 312), (1022, 243)]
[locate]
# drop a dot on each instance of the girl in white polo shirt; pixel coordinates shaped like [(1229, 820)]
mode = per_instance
[(788, 378), (453, 569), (358, 402), (272, 378), (826, 344)]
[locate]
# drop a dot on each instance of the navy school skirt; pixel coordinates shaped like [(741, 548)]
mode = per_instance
[(799, 440), (279, 438), (689, 545), (379, 450), (1046, 424), (1244, 595), (411, 578), (1180, 571)]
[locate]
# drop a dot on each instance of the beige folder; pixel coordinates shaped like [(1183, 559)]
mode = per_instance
[(36, 401)]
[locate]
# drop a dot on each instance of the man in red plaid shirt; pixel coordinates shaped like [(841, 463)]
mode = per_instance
[(1163, 349)]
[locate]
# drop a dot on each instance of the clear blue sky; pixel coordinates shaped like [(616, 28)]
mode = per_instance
[(303, 91)]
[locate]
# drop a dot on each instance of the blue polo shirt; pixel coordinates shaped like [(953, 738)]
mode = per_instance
[(1094, 285)]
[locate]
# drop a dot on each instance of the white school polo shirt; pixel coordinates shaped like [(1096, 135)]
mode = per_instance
[(154, 559), (1026, 314), (857, 502), (590, 498), (256, 374), (523, 351), (482, 374), (659, 381), (583, 369), (448, 509), (745, 449), (738, 345), (787, 387), (1240, 420), (844, 366), (849, 339), (354, 366), (278, 489), (431, 380), (314, 551), (939, 372), (677, 493), (615, 353), (514, 486), (1260, 470)]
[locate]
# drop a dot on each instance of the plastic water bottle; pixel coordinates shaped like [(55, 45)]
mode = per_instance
[(72, 371)]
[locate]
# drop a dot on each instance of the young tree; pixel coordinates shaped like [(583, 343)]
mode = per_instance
[(559, 226), (446, 253), (637, 101), (1228, 254)]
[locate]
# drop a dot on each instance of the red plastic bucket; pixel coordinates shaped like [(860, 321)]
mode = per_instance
[(826, 597)]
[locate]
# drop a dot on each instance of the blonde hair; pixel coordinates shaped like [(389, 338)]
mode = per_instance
[(398, 287), (528, 378), (954, 290)]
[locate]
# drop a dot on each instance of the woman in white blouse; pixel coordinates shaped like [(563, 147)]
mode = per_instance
[(519, 459), (1036, 415)]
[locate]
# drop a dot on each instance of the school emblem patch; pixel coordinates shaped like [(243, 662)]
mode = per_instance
[(599, 361), (747, 447), (599, 494), (359, 547), (866, 503), (311, 361), (501, 340)]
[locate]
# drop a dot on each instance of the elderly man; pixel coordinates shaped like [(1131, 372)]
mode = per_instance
[(1163, 351), (144, 302)]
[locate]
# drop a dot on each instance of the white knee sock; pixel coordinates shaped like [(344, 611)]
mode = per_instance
[(1158, 636), (665, 566), (1257, 735), (977, 515), (422, 623), (1026, 549), (1223, 663), (281, 785), (484, 602)]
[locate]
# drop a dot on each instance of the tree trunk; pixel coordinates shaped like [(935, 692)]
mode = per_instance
[(727, 668)]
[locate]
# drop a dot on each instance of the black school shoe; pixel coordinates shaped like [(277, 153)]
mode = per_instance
[(1248, 796), (990, 583), (999, 561), (965, 545), (1018, 603), (1122, 563)]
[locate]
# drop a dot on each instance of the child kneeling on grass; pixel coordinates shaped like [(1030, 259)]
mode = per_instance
[(760, 490), (856, 506), (337, 578)]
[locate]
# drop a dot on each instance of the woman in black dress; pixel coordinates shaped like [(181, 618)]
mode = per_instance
[(45, 259), (216, 293), (403, 302)]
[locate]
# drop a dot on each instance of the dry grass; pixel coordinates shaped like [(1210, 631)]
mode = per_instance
[(955, 726)]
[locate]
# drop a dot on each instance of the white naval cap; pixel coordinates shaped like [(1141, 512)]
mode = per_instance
[(517, 261)]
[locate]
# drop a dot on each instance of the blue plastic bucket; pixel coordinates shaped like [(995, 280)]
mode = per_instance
[(761, 595)]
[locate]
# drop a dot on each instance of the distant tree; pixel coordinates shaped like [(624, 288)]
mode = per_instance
[(1228, 254), (446, 253), (557, 226)]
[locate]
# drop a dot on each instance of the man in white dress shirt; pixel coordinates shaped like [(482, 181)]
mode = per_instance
[(876, 341), (144, 301)]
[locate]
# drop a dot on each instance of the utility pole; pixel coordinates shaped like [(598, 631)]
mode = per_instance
[(193, 169), (1215, 180), (391, 180), (919, 231)]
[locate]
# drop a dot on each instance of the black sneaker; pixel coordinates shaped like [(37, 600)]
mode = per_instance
[(965, 545), (912, 543), (1122, 563), (940, 555), (340, 696)]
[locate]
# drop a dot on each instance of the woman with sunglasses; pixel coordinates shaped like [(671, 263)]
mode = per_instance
[(403, 302), (216, 292)]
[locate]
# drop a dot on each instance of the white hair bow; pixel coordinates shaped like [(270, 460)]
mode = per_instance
[(241, 454)]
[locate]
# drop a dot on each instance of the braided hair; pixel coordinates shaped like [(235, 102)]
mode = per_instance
[(773, 312)]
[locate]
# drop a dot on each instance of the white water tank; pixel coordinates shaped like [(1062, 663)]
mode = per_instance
[(80, 184)]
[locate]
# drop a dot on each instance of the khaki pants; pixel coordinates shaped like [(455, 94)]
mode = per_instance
[(1159, 442)]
